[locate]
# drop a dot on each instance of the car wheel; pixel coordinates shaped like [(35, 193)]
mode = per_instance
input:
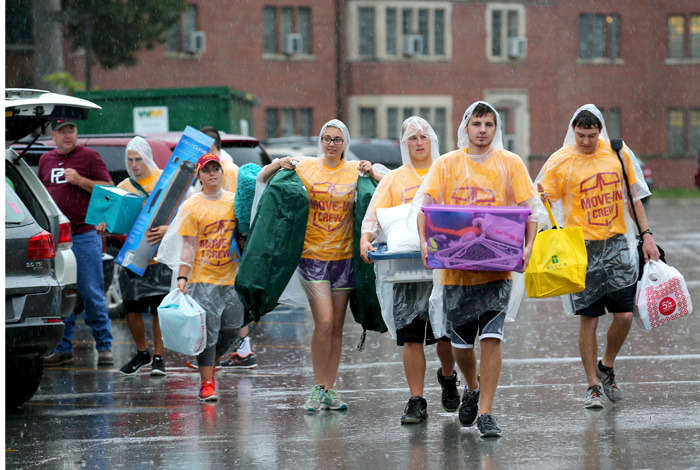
[(115, 303), (25, 376)]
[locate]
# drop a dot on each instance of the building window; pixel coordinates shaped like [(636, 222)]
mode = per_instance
[(271, 122), (293, 122), (599, 36), (383, 116), (398, 30), (678, 25), (286, 30), (18, 22), (612, 121), (683, 131), (179, 35), (305, 122), (505, 26)]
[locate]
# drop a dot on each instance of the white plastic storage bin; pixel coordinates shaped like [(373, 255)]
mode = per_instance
[(399, 267)]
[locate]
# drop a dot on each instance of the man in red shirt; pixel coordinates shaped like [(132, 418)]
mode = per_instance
[(70, 172)]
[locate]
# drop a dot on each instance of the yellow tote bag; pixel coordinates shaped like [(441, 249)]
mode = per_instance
[(558, 262)]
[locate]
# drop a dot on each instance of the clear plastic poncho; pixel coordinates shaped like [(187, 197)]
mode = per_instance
[(330, 227), (588, 190), (499, 178), (386, 219), (200, 238), (140, 146)]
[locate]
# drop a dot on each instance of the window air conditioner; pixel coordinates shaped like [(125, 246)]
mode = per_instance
[(196, 42), (517, 48), (412, 44), (292, 44)]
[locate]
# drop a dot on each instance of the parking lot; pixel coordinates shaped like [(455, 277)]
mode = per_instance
[(89, 417)]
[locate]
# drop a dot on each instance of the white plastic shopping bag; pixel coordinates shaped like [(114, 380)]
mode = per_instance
[(182, 324), (662, 296)]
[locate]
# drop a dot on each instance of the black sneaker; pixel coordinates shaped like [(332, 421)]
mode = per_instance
[(487, 426), (450, 395), (157, 366), (238, 362), (470, 407), (139, 360), (416, 411)]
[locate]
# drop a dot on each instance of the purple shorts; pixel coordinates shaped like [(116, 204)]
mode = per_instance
[(339, 273)]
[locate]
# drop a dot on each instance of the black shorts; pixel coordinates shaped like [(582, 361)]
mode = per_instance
[(144, 305), (616, 302), (488, 325), (418, 331)]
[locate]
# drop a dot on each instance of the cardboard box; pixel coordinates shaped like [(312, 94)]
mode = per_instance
[(480, 238), (117, 207)]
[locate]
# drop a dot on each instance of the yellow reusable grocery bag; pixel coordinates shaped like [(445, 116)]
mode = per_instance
[(558, 262)]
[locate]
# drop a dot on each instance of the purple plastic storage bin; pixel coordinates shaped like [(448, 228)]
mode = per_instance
[(481, 238)]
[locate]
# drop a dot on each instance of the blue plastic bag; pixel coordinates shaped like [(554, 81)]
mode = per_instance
[(182, 324)]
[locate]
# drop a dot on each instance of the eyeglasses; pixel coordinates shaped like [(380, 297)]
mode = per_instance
[(215, 169), (327, 140)]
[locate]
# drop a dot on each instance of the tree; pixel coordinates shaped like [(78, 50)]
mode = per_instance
[(114, 30)]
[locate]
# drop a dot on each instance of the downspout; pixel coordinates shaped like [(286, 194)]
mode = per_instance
[(338, 61)]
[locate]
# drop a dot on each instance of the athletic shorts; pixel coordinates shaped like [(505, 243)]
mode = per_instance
[(144, 305), (616, 302), (419, 331), (488, 325), (339, 273)]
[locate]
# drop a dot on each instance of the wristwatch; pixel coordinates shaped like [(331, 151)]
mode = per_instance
[(646, 231)]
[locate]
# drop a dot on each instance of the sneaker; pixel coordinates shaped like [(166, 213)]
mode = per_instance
[(487, 426), (470, 407), (594, 397), (450, 395), (157, 366), (105, 358), (332, 401), (238, 362), (193, 365), (207, 392), (138, 361), (58, 359), (416, 411), (313, 403), (607, 379)]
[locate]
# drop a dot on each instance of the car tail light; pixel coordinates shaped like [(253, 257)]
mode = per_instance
[(41, 246), (52, 320), (647, 171), (65, 237)]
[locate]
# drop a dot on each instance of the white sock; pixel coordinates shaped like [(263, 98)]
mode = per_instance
[(244, 350)]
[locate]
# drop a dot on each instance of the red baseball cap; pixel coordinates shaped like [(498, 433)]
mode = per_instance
[(206, 158)]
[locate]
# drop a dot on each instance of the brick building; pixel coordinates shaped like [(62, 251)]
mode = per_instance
[(371, 63)]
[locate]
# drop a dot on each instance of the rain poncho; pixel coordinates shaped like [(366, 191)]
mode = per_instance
[(156, 279), (329, 229), (396, 189), (495, 178), (200, 237), (587, 190)]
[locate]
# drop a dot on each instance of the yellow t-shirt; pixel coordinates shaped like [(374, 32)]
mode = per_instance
[(499, 180), (329, 230), (213, 223), (230, 175), (148, 183), (398, 187), (591, 189)]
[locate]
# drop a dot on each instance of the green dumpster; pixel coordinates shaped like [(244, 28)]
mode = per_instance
[(169, 109)]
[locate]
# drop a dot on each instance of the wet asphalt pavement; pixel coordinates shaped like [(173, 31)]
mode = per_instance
[(84, 416)]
